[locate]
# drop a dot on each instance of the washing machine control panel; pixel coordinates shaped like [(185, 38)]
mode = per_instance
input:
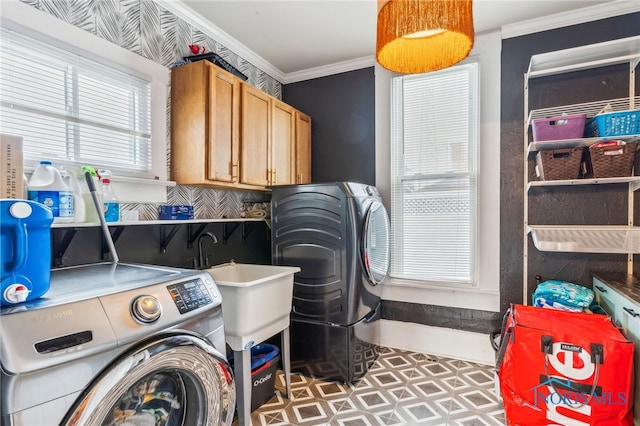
[(190, 295)]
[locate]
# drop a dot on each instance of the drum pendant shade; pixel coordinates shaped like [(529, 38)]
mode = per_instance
[(417, 36)]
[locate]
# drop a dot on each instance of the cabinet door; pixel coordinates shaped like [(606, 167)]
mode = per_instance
[(303, 148), (282, 162), (223, 126), (255, 136), (188, 123), (630, 322), (607, 298)]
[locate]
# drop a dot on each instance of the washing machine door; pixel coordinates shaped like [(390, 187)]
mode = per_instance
[(171, 380), (376, 243)]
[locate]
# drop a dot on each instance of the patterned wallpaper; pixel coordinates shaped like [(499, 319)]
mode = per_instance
[(145, 28)]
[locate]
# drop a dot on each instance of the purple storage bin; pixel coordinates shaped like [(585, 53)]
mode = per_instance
[(559, 128)]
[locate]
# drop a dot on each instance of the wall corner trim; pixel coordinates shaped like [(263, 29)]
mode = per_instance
[(325, 70), (565, 19)]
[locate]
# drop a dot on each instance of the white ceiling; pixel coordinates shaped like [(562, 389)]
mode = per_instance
[(297, 35)]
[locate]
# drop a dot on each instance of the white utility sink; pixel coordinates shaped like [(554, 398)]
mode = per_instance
[(256, 301)]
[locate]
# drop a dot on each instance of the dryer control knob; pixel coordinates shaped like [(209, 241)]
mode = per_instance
[(146, 309)]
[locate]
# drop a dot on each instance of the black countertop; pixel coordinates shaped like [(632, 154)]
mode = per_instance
[(627, 285)]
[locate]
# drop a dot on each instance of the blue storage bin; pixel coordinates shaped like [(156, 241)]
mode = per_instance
[(260, 354), (614, 124)]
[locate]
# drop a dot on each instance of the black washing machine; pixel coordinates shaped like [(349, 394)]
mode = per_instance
[(338, 234)]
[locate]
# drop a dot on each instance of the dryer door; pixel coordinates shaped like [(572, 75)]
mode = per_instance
[(172, 380), (376, 243)]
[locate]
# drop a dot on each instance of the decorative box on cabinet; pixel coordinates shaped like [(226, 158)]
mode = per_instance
[(619, 295), (622, 238)]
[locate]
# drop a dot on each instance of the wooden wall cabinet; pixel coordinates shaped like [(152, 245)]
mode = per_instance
[(268, 139), (228, 133), (256, 130), (205, 125), (283, 143), (303, 148)]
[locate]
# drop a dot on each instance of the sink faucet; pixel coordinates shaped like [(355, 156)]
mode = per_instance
[(202, 260)]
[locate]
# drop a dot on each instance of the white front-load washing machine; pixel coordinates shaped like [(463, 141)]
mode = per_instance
[(117, 344)]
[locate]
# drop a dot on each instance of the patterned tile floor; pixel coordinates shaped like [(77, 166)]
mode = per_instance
[(401, 388)]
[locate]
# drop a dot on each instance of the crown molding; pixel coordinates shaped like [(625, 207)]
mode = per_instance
[(325, 70), (184, 12), (565, 19)]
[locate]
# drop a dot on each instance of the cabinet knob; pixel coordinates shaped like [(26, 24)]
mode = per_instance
[(602, 289), (631, 312)]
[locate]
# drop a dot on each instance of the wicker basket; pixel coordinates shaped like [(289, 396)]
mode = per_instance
[(559, 164), (610, 161)]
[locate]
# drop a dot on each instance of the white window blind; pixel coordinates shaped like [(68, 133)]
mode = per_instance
[(434, 137), (72, 110)]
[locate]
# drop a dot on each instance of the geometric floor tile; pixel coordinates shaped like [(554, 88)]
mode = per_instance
[(401, 388)]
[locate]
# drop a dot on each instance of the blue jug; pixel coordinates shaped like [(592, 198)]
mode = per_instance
[(25, 250)]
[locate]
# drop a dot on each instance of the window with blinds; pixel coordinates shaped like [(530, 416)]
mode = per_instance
[(72, 110), (434, 138)]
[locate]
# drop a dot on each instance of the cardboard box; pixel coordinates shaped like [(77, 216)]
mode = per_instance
[(12, 183)]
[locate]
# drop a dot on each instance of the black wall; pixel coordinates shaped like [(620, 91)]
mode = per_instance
[(593, 205), (142, 244), (342, 110)]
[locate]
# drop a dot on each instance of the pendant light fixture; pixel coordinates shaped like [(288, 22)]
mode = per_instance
[(417, 36)]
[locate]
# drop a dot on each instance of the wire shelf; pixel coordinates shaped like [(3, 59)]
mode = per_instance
[(587, 239)]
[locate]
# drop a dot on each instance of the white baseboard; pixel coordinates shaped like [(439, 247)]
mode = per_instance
[(446, 342)]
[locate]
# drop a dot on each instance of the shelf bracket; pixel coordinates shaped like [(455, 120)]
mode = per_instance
[(60, 247), (165, 238), (115, 234), (246, 230), (193, 236), (227, 230)]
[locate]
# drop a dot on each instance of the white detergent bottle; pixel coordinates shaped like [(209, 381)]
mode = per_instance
[(74, 177), (47, 187)]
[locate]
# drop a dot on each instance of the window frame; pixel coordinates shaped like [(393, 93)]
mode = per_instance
[(472, 68), (31, 22)]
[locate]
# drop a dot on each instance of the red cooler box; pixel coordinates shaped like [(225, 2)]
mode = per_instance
[(564, 368)]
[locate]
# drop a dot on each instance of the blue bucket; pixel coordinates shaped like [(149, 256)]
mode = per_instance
[(260, 354), (25, 250)]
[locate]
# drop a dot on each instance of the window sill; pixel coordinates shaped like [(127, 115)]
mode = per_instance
[(138, 190)]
